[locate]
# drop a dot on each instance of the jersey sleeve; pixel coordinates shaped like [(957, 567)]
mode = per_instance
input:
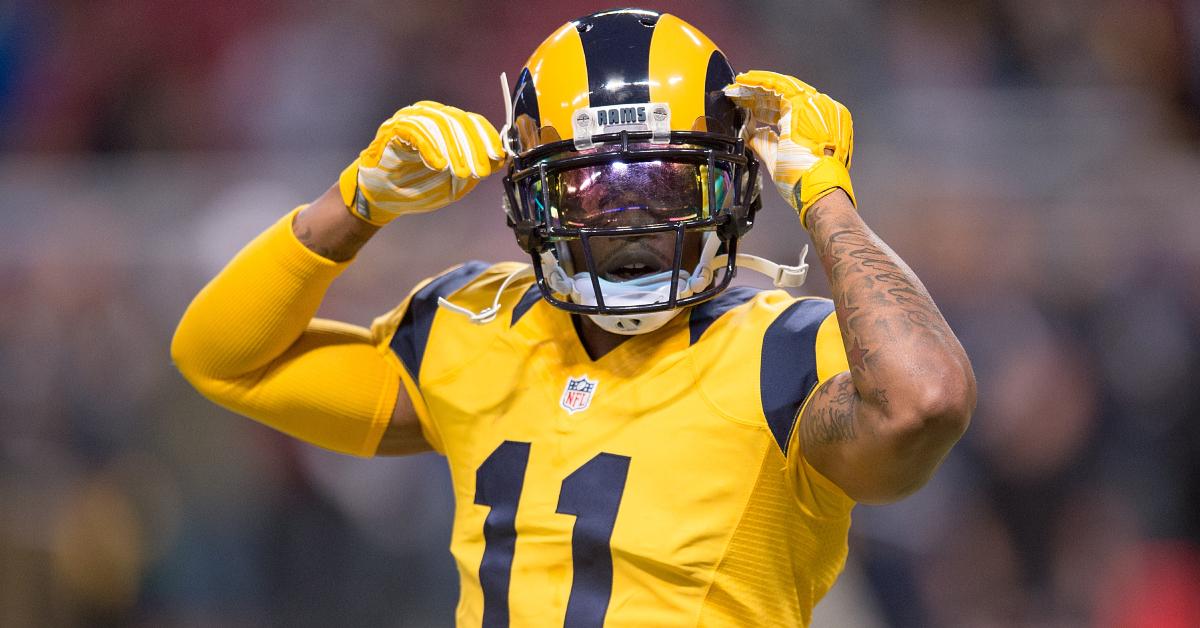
[(802, 348), (249, 342)]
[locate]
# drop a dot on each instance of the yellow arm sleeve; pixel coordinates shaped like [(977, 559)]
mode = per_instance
[(249, 342)]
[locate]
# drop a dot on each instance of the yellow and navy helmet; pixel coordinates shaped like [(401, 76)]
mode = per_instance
[(628, 99)]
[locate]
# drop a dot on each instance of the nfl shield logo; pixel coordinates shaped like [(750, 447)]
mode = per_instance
[(577, 396)]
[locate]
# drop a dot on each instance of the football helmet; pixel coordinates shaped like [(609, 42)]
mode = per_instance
[(618, 128)]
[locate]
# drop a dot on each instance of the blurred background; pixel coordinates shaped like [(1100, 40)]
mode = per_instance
[(1036, 162)]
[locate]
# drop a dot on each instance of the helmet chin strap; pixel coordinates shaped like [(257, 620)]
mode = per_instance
[(782, 276), (646, 290), (656, 288), (650, 289)]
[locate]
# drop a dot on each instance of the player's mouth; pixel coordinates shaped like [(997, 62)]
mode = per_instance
[(631, 264)]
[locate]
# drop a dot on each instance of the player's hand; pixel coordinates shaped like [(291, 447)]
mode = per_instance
[(424, 157), (808, 151)]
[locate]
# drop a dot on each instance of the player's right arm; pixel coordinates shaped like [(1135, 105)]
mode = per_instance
[(249, 340)]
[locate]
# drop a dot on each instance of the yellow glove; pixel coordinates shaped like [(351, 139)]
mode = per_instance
[(809, 156), (425, 157)]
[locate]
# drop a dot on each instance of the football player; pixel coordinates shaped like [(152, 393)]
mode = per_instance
[(631, 440)]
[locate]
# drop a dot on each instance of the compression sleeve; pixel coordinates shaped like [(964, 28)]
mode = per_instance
[(249, 342)]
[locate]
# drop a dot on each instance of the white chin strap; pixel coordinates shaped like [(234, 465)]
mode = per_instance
[(648, 290), (656, 288)]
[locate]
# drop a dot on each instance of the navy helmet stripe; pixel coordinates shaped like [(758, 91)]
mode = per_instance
[(525, 99), (412, 335), (717, 105), (531, 297), (616, 49), (702, 316), (788, 371)]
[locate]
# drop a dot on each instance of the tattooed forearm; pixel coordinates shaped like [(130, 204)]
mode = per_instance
[(881, 428), (328, 230), (888, 321), (864, 272), (338, 247)]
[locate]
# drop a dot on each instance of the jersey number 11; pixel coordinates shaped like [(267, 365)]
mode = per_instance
[(592, 493)]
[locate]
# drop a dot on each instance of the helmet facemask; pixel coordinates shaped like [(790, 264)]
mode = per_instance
[(594, 221)]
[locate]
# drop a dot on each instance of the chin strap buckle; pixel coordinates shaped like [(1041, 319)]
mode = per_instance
[(781, 275), (791, 276)]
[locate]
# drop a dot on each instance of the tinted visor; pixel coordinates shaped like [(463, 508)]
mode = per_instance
[(636, 193)]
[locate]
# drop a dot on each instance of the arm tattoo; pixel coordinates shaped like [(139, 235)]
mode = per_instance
[(887, 319), (305, 236), (866, 428), (833, 418), (877, 297), (857, 355), (867, 274), (337, 246)]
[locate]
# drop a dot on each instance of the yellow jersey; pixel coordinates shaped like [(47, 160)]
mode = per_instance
[(660, 485)]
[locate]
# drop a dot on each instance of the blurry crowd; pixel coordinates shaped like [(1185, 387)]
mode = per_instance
[(1037, 163)]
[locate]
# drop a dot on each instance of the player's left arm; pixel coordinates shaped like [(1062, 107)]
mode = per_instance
[(880, 429)]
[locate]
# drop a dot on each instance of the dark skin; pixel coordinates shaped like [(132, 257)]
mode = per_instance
[(655, 250), (878, 430)]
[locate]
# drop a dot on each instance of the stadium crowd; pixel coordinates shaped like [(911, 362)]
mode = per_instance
[(1037, 163)]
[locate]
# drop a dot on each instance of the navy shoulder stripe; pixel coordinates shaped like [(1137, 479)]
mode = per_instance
[(789, 364), (704, 315), (531, 296), (413, 333)]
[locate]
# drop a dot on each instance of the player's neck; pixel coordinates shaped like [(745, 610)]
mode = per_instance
[(595, 340)]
